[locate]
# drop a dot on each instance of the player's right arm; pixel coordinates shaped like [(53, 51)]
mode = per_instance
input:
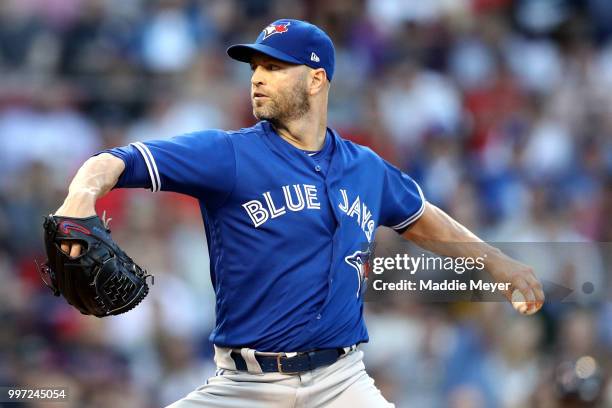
[(96, 177)]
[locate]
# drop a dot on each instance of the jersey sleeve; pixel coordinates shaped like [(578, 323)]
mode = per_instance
[(200, 164), (402, 201)]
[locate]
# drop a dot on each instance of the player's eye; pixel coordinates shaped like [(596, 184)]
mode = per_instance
[(273, 67)]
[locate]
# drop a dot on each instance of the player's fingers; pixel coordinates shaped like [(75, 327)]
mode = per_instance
[(541, 295), (75, 250), (539, 302), (519, 300), (537, 289), (523, 287), (65, 247), (535, 296)]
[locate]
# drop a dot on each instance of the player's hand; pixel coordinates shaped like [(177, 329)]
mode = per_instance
[(522, 278), (80, 206)]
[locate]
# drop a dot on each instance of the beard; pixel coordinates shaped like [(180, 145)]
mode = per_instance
[(288, 104)]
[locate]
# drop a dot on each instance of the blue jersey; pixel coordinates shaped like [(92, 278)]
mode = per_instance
[(286, 228)]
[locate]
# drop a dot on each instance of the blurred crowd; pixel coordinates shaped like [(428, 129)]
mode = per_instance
[(501, 109)]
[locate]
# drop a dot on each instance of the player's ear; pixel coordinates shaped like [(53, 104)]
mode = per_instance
[(318, 80)]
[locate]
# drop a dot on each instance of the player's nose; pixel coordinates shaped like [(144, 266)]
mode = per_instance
[(257, 78)]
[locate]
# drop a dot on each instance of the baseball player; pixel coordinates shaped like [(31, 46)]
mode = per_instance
[(288, 207)]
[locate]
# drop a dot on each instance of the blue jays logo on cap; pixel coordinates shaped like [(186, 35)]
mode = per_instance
[(298, 42), (275, 29)]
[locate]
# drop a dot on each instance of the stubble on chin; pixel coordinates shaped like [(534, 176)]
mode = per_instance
[(263, 112), (284, 108)]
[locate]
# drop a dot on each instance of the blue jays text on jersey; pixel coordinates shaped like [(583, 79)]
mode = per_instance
[(305, 196), (285, 228)]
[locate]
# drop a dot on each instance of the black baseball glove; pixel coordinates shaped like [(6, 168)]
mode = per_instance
[(102, 280)]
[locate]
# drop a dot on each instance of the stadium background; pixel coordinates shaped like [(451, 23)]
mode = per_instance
[(501, 110)]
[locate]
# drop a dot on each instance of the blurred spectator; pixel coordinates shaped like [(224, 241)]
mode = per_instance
[(170, 37)]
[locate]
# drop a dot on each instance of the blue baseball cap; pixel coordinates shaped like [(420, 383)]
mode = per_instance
[(292, 41)]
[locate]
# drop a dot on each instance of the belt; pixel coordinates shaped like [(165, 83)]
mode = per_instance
[(295, 364)]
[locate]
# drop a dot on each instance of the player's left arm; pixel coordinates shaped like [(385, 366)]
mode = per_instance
[(438, 232)]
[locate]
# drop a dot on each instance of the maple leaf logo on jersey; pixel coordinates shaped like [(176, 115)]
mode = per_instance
[(275, 29)]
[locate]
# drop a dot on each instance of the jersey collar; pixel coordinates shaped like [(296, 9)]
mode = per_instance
[(282, 146)]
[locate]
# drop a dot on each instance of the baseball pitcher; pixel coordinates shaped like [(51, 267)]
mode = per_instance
[(288, 207)]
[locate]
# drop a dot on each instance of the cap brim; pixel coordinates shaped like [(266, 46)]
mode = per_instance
[(244, 52)]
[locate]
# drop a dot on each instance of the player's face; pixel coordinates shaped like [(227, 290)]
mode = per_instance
[(279, 90)]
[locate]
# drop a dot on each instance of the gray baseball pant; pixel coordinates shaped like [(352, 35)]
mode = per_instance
[(342, 384)]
